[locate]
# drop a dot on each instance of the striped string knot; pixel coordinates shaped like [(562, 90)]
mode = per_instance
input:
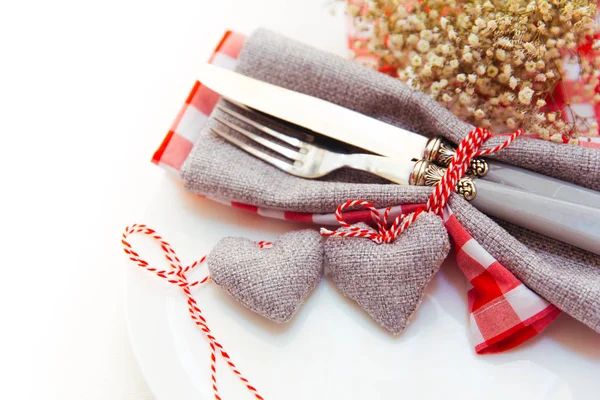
[(468, 148), (263, 244), (177, 275), (382, 235)]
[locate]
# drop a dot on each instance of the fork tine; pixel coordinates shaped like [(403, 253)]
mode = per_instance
[(284, 151), (284, 138), (287, 167)]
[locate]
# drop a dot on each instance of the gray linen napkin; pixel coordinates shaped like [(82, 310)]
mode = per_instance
[(567, 277), (564, 275)]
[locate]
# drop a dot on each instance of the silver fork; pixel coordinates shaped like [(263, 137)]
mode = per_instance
[(572, 223), (305, 159)]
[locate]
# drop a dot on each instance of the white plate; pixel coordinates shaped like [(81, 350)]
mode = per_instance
[(332, 349)]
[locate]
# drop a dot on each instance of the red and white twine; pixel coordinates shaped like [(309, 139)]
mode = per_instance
[(469, 148), (176, 274)]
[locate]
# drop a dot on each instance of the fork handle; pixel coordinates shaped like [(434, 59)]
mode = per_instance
[(572, 223), (389, 168)]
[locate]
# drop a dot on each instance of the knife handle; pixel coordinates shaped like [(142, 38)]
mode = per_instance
[(569, 222), (572, 223), (541, 184)]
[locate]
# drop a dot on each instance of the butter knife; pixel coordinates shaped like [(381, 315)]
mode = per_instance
[(551, 216), (368, 133)]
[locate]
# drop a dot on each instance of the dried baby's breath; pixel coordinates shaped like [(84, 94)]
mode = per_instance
[(489, 61)]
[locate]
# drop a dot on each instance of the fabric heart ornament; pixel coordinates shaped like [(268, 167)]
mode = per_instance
[(388, 280), (274, 280)]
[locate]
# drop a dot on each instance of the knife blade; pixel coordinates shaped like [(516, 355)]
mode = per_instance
[(315, 114), (370, 134)]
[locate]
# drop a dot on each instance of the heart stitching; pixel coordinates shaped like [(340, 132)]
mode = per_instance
[(272, 281), (388, 280)]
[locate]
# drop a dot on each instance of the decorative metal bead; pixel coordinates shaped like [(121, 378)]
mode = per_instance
[(426, 173), (466, 188), (479, 167), (439, 151)]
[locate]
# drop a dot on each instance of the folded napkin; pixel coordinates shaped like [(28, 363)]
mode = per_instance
[(504, 312)]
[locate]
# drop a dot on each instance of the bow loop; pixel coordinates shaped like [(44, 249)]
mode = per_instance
[(468, 148), (176, 274)]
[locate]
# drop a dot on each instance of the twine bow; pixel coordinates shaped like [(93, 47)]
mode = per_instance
[(469, 148), (176, 275)]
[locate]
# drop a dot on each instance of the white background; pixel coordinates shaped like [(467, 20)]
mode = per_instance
[(87, 92)]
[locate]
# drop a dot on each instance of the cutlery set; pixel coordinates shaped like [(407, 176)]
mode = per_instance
[(558, 209), (337, 164)]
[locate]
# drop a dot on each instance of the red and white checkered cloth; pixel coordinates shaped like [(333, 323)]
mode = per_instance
[(504, 312)]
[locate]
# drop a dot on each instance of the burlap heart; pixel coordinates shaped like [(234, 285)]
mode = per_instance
[(272, 281), (388, 280)]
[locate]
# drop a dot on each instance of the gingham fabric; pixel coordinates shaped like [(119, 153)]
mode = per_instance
[(187, 125), (503, 312)]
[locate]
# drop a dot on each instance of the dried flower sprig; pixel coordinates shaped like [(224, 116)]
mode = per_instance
[(494, 63)]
